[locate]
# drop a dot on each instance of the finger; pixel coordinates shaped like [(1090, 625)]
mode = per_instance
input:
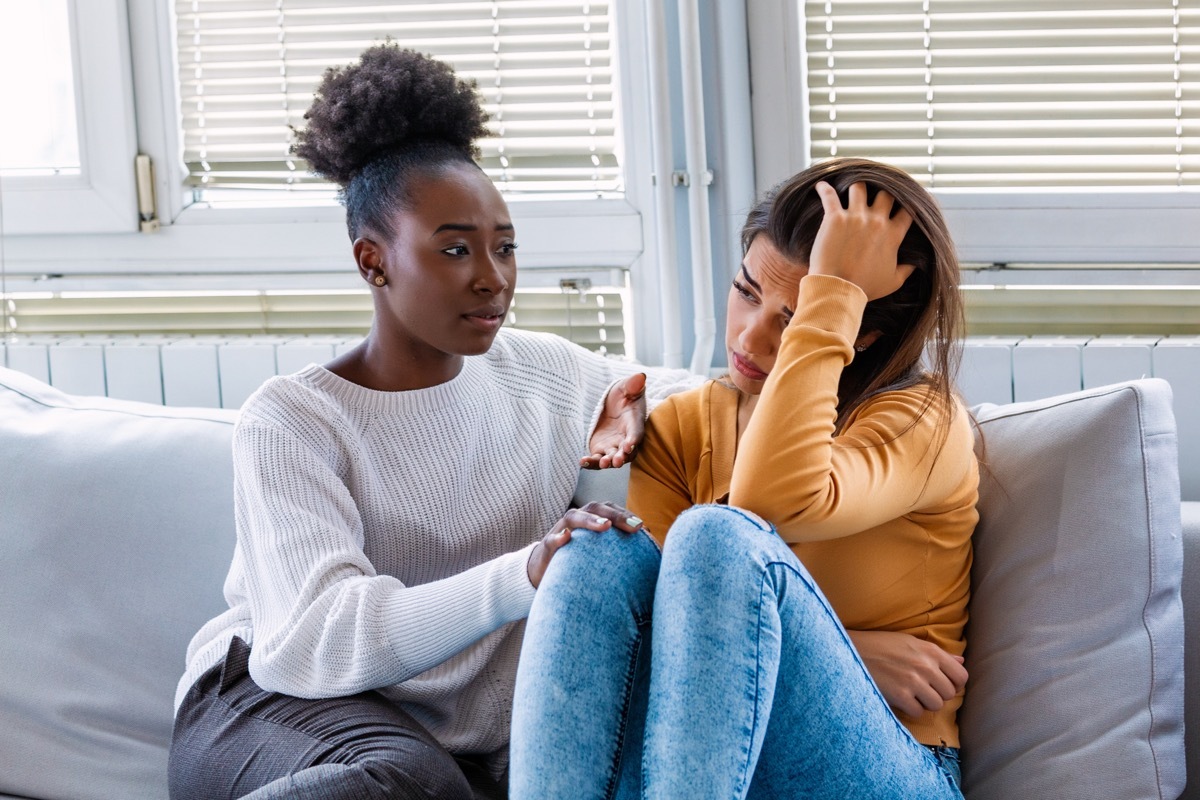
[(909, 705), (883, 202), (902, 221), (929, 698), (554, 541), (623, 518), (942, 684), (829, 198), (956, 673), (857, 197), (635, 385), (581, 518)]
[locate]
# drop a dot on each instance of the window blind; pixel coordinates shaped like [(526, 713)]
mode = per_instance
[(1009, 93), (248, 70), (594, 318)]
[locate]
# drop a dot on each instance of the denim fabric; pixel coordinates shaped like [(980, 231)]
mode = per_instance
[(751, 689), (232, 739)]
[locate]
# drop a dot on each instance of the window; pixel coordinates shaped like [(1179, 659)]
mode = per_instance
[(1052, 132), (1009, 94), (66, 141), (217, 83), (248, 70)]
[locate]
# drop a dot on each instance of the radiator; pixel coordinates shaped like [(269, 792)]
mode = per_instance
[(222, 371), (1000, 369)]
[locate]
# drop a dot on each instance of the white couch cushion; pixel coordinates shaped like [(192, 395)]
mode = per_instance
[(116, 527), (1075, 644)]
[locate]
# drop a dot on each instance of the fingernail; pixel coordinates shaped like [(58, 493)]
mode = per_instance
[(633, 522)]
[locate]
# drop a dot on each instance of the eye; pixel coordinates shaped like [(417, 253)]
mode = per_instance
[(744, 292), (508, 249), (456, 250)]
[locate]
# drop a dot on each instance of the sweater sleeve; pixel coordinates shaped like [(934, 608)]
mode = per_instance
[(325, 623), (886, 463)]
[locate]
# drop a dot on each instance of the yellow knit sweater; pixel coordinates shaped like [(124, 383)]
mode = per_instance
[(881, 514)]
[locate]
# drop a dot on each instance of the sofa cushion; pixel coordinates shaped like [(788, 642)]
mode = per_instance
[(1075, 644), (116, 525)]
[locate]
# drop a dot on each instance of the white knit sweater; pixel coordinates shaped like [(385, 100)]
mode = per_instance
[(382, 537)]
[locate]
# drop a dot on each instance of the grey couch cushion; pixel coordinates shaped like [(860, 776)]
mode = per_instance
[(1075, 644), (116, 528), (1191, 670)]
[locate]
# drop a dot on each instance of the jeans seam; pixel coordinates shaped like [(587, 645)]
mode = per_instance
[(744, 779), (630, 675)]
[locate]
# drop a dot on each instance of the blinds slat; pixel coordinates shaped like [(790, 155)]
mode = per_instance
[(595, 319)]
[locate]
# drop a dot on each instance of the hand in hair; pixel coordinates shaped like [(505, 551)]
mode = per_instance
[(859, 243), (621, 425)]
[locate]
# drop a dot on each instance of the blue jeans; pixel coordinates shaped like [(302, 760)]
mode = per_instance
[(748, 688)]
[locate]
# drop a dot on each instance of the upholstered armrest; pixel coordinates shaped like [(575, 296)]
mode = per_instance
[(1191, 647)]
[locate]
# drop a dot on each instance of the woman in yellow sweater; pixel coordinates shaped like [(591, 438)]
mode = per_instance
[(835, 485)]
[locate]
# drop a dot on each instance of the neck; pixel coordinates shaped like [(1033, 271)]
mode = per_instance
[(374, 366)]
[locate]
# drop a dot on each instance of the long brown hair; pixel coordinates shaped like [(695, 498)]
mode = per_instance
[(924, 318)]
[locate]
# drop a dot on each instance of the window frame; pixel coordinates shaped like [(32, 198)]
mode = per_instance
[(201, 246), (1144, 229), (103, 197)]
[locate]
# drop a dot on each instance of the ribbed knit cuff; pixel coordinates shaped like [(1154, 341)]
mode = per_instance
[(518, 594), (830, 304)]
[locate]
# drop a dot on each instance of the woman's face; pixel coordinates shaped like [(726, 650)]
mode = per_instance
[(762, 300), (451, 269)]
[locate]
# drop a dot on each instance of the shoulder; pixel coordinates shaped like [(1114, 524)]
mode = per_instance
[(297, 406), (918, 414), (683, 414)]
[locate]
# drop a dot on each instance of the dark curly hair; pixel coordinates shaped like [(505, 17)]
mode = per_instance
[(376, 124)]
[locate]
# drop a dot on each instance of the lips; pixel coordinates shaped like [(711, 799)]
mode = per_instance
[(748, 368), (488, 317)]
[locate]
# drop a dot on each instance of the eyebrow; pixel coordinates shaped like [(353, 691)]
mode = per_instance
[(459, 226), (758, 288)]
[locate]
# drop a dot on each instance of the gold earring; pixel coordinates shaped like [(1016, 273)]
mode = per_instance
[(380, 280)]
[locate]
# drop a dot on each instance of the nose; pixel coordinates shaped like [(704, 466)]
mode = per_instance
[(760, 335), (491, 276)]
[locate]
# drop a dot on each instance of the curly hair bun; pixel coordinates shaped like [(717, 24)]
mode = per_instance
[(389, 100)]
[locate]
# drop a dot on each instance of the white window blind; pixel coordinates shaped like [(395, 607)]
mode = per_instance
[(593, 318), (248, 70), (1009, 93)]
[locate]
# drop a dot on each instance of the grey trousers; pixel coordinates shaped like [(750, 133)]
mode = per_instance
[(232, 739)]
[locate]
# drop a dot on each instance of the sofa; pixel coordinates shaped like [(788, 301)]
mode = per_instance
[(116, 525)]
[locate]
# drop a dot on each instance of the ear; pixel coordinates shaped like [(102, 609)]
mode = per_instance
[(369, 257), (866, 340)]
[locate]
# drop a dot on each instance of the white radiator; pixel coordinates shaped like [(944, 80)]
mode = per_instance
[(222, 371), (1001, 369)]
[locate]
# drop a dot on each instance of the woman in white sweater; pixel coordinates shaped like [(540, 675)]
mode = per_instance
[(397, 507)]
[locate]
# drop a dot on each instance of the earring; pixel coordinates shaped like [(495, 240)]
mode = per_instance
[(380, 280), (858, 348)]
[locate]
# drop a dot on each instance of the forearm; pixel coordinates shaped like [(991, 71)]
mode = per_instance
[(362, 632)]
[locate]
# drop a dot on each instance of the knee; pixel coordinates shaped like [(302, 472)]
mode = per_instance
[(713, 534), (605, 565), (439, 777)]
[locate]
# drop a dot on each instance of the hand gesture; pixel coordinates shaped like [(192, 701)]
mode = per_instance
[(913, 675), (593, 516), (620, 427), (860, 243)]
